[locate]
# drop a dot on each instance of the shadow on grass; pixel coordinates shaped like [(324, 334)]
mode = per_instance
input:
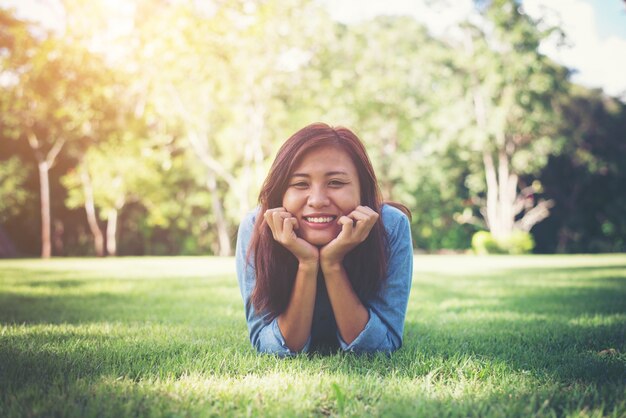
[(51, 298), (92, 327), (535, 322), (608, 296)]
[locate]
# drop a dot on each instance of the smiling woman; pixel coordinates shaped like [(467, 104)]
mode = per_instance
[(324, 186), (323, 264)]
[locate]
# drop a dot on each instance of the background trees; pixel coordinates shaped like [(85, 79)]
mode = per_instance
[(586, 179), (509, 95), (150, 130), (56, 96)]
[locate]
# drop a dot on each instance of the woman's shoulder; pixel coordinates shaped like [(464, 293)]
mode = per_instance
[(250, 217), (247, 223), (392, 215)]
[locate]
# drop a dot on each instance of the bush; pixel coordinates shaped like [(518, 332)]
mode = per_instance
[(519, 242), (484, 243)]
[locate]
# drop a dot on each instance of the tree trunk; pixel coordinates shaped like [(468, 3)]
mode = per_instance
[(501, 195), (44, 163), (90, 209), (112, 232), (501, 183), (507, 193), (223, 234), (492, 193), (44, 192)]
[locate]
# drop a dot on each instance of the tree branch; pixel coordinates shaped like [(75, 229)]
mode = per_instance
[(54, 151), (535, 215), (35, 145), (469, 218), (522, 201), (199, 146)]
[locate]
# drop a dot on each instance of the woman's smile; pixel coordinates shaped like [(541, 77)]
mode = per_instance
[(320, 221)]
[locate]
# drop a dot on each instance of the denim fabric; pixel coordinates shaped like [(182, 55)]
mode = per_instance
[(383, 331)]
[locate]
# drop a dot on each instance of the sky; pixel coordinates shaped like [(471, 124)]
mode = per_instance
[(595, 29)]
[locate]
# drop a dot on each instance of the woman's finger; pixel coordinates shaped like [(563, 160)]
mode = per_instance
[(344, 220), (359, 216), (365, 220), (346, 226), (288, 226), (274, 219), (269, 220), (268, 213), (277, 220), (363, 214), (367, 211)]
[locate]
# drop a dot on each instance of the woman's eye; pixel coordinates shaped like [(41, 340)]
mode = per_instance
[(336, 183), (299, 185)]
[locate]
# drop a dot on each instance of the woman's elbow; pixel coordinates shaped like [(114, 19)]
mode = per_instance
[(392, 344), (276, 349)]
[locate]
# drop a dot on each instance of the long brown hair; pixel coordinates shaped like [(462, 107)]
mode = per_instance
[(275, 266)]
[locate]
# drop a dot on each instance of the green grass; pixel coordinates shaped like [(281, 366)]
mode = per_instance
[(485, 336)]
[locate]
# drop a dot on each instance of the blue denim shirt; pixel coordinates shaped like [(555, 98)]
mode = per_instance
[(383, 331)]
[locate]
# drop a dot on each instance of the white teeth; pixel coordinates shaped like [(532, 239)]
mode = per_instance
[(319, 220)]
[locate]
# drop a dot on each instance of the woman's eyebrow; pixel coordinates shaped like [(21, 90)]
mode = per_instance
[(336, 173), (328, 174)]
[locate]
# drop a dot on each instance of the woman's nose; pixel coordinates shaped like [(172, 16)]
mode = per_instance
[(318, 198)]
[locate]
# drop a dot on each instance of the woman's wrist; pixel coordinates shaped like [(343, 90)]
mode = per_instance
[(331, 266), (330, 261), (309, 265)]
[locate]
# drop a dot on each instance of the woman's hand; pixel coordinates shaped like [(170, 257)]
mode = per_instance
[(355, 228), (283, 225)]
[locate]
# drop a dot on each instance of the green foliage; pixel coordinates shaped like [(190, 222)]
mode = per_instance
[(587, 179), (519, 242), (484, 243), (13, 194), (439, 195), (156, 337)]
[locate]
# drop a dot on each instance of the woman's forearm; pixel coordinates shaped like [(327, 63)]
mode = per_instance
[(295, 321), (350, 314)]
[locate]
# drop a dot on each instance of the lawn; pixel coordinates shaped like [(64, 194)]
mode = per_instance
[(485, 336)]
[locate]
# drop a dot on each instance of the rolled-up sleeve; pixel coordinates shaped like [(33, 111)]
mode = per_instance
[(264, 333), (387, 311)]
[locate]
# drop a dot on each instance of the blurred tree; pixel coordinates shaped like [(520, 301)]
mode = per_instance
[(214, 78), (587, 179), (107, 178), (505, 112), (13, 195), (55, 93)]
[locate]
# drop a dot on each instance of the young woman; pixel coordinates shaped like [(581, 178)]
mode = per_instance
[(323, 264)]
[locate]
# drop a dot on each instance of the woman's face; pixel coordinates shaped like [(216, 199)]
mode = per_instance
[(323, 187)]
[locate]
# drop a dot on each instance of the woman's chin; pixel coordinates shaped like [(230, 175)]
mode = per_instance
[(319, 240)]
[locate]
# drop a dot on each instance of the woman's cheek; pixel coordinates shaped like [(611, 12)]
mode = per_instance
[(288, 202)]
